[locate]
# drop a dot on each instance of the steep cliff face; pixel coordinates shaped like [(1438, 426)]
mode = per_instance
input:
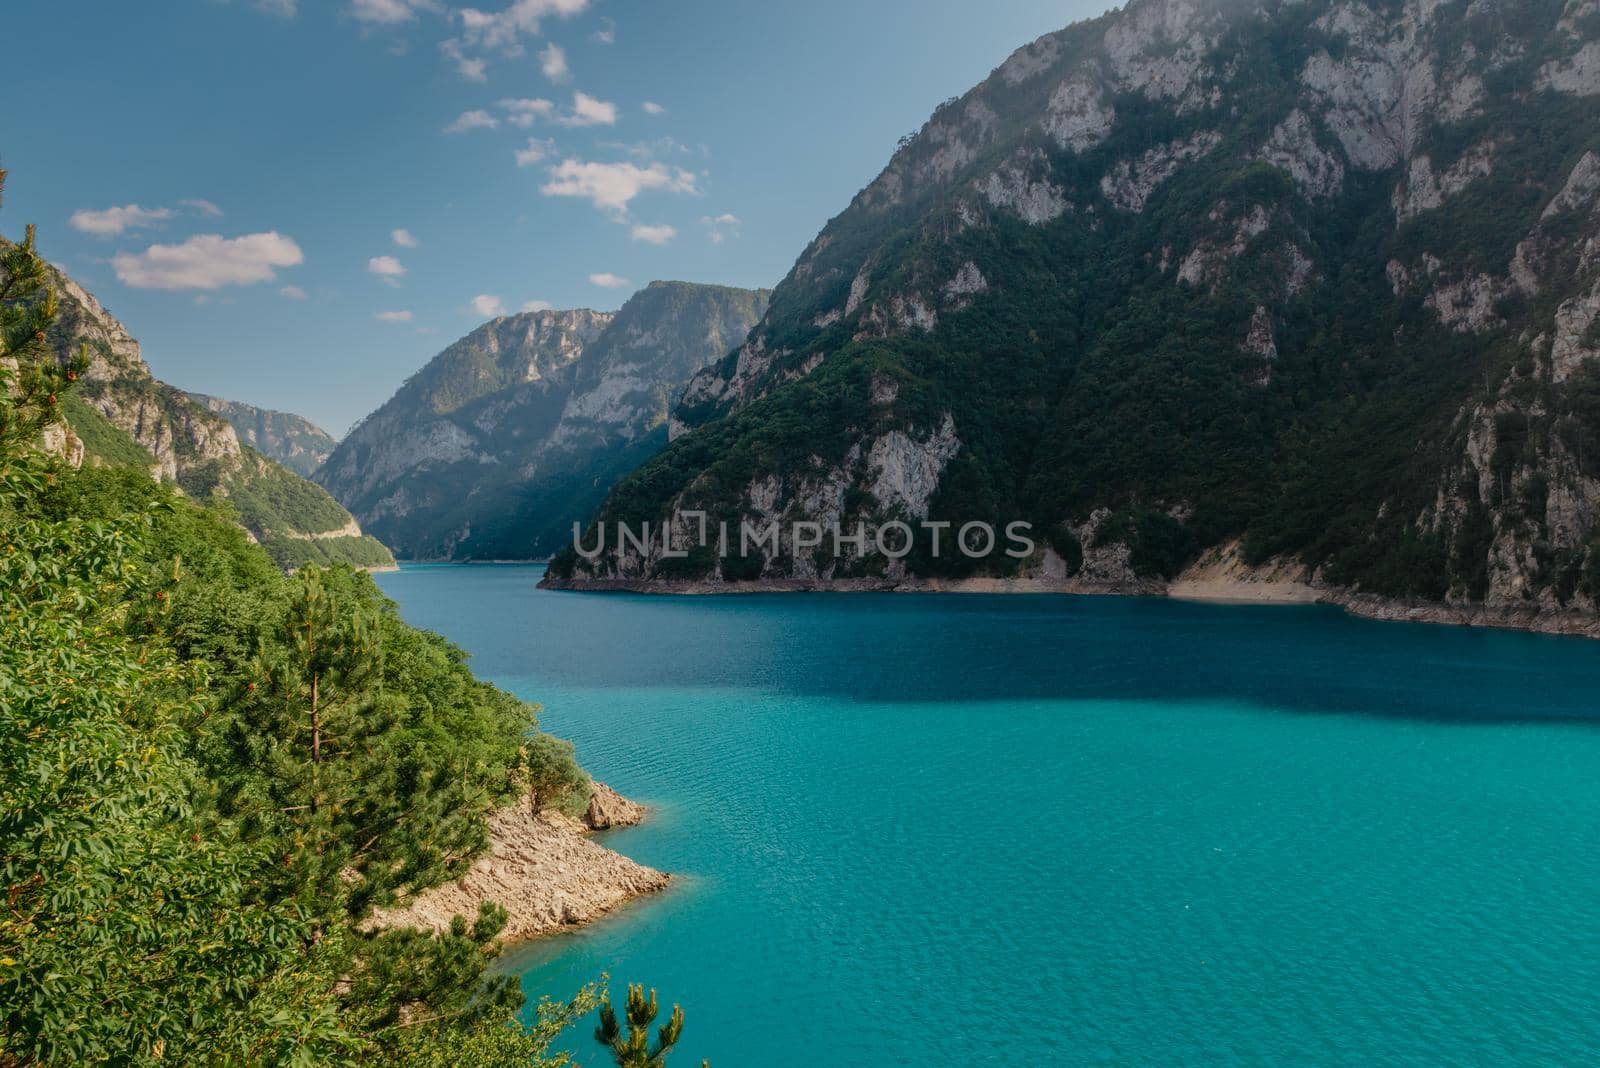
[(411, 461), (1320, 274), (122, 414), (630, 379), (510, 435), (293, 441)]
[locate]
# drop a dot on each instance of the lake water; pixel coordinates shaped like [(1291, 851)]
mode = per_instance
[(969, 830)]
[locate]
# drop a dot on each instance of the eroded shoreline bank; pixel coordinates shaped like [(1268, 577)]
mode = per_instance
[(544, 869), (1220, 576)]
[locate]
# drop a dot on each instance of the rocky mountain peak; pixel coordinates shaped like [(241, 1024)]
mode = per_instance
[(121, 414), (1158, 259), (512, 432)]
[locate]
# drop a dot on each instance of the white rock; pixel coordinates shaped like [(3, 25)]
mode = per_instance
[(1293, 148), (1578, 75), (968, 282), (1013, 187), (1467, 306), (1131, 182), (1424, 189), (905, 472), (1574, 320), (1078, 115)]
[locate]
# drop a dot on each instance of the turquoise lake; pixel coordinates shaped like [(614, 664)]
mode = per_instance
[(971, 830)]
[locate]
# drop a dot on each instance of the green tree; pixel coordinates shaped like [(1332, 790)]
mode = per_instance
[(126, 932), (363, 749), (209, 772), (550, 770), (492, 1043), (126, 889), (632, 1048), (408, 976), (32, 379)]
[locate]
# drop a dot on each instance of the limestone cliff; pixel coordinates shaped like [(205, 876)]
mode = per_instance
[(122, 414), (291, 440), (1322, 277), (514, 432)]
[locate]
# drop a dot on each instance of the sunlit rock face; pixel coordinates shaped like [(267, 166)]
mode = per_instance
[(515, 431), (1317, 277)]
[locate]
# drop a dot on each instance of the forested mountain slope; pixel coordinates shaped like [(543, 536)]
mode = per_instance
[(120, 414), (510, 435), (212, 771), (291, 440), (1318, 275)]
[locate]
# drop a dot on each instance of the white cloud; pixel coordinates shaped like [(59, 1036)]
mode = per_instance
[(292, 293), (652, 108), (403, 238), (383, 12), (553, 62), (112, 221), (534, 151), (503, 30), (612, 186), (472, 68), (284, 8), (472, 120), (607, 33), (588, 111), (659, 148), (655, 235), (607, 280), (537, 306), (488, 306), (208, 261), (388, 268), (524, 112), (720, 227), (393, 316)]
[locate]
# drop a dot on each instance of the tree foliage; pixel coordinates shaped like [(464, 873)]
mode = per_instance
[(210, 773), (631, 1047), (550, 768)]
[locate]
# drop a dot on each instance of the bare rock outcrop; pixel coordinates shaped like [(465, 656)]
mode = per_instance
[(608, 809), (542, 869)]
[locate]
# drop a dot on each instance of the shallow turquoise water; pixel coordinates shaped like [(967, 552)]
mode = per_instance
[(920, 830)]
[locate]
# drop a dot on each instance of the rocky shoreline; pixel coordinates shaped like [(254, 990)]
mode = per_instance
[(544, 869), (1220, 576)]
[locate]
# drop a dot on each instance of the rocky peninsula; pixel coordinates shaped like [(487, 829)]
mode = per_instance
[(544, 869)]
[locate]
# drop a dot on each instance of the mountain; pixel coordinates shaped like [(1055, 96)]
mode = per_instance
[(295, 442), (1319, 278), (121, 414), (511, 434)]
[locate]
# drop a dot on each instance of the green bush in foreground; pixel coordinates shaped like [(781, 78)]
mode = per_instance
[(631, 1047), (552, 773), (210, 773)]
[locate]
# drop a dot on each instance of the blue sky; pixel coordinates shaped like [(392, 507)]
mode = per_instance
[(228, 177)]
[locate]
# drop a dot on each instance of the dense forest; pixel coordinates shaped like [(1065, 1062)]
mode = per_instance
[(119, 414), (211, 773), (1309, 276)]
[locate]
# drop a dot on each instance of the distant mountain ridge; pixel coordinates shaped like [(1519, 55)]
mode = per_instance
[(121, 414), (495, 447), (1317, 277), (291, 440)]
